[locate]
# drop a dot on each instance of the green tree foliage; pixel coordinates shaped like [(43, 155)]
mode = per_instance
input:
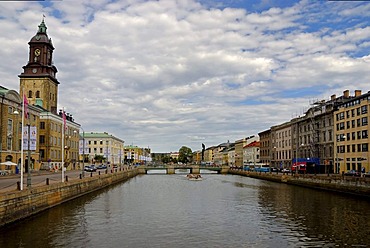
[(99, 158), (185, 154), (166, 159)]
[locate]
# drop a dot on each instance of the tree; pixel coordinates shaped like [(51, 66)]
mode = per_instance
[(99, 158), (185, 154), (166, 159)]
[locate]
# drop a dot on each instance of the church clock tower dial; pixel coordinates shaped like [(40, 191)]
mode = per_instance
[(38, 80)]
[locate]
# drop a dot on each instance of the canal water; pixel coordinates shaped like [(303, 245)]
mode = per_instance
[(219, 211)]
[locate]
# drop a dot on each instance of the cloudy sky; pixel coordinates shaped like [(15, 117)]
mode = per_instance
[(168, 73)]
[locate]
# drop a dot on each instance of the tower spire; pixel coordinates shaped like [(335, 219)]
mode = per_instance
[(42, 26)]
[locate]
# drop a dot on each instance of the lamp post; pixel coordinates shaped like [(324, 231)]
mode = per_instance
[(29, 157), (274, 157), (344, 155), (83, 153), (16, 113), (107, 153)]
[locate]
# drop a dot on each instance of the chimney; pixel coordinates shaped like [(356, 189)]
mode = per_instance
[(333, 97), (346, 94), (357, 93)]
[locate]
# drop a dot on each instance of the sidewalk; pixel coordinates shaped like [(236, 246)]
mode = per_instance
[(38, 178)]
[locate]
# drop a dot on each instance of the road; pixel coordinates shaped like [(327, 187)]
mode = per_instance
[(9, 183)]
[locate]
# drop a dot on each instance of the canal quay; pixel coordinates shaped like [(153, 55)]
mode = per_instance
[(143, 207)]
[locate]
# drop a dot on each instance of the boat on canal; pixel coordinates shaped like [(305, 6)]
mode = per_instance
[(194, 177)]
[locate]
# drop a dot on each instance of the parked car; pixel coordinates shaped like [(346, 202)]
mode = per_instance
[(90, 168), (274, 169), (101, 167), (262, 168), (367, 174), (285, 170), (352, 173)]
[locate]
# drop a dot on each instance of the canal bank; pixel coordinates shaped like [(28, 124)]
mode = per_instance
[(17, 205), (358, 186)]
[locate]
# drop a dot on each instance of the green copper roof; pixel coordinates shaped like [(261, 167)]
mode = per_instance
[(42, 27)]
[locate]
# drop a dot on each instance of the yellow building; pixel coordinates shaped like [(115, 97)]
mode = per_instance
[(135, 155), (352, 132), (104, 145), (239, 144), (11, 131), (38, 83)]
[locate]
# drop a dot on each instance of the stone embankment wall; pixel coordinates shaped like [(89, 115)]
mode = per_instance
[(17, 205), (349, 185)]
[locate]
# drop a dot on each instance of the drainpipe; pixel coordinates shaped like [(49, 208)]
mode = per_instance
[(1, 126)]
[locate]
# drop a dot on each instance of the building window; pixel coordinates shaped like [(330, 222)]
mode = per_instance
[(358, 147), (353, 135), (358, 122), (42, 139), (38, 94), (364, 121), (353, 123), (365, 147), (95, 142), (353, 113), (359, 135), (341, 126), (353, 148), (364, 134), (358, 111), (42, 125), (30, 94), (364, 109)]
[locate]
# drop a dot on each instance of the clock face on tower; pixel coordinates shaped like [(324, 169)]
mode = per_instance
[(37, 52)]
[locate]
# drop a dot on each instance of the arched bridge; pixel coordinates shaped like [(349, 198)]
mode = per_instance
[(194, 169)]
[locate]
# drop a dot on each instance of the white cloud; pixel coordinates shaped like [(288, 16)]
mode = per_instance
[(170, 73)]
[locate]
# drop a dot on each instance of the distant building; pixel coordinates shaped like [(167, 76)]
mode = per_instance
[(265, 147), (105, 145), (135, 155), (251, 153), (239, 144)]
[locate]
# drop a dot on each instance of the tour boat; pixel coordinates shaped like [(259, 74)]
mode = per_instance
[(193, 177)]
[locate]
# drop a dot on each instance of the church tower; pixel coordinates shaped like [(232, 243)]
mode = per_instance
[(38, 80)]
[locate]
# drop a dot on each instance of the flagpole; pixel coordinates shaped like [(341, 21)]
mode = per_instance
[(22, 163), (63, 130)]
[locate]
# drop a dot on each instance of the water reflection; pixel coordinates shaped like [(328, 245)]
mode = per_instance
[(317, 215)]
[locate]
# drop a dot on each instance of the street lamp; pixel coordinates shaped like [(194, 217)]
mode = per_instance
[(275, 157), (83, 152), (16, 113), (107, 153), (344, 155)]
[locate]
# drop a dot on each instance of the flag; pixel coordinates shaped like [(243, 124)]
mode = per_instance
[(25, 105), (64, 121)]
